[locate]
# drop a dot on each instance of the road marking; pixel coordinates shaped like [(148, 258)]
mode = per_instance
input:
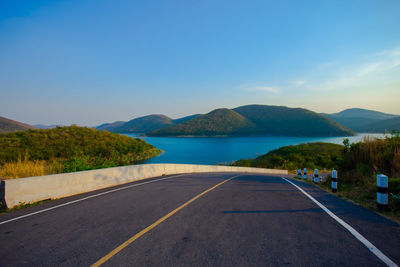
[(356, 234), (85, 198), (147, 229)]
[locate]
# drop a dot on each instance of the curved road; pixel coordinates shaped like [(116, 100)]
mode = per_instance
[(208, 219)]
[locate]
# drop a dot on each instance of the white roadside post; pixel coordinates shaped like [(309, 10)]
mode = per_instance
[(382, 200), (334, 181), (305, 174), (299, 173), (316, 178)]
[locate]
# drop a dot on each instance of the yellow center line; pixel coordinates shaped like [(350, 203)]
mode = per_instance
[(147, 229)]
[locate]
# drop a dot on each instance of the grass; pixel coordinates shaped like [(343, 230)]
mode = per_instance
[(27, 168)]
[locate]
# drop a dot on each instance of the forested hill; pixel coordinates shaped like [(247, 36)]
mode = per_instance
[(68, 142), (257, 120), (8, 126), (382, 126), (143, 124), (217, 122), (280, 120), (364, 120)]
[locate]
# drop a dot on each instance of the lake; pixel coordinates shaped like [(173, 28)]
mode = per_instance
[(225, 150)]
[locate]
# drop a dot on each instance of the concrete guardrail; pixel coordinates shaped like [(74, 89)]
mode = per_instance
[(33, 189)]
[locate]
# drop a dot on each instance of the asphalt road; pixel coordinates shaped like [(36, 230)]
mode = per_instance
[(250, 220)]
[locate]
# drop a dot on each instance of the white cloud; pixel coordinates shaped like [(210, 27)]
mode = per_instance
[(373, 69), (369, 68), (269, 89), (299, 83), (326, 65)]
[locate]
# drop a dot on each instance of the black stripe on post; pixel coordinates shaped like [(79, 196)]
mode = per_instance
[(3, 204), (383, 190)]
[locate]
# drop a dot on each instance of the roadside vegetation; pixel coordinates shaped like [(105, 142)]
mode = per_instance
[(357, 165), (67, 149)]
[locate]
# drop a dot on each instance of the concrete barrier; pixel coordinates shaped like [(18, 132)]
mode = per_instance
[(33, 189)]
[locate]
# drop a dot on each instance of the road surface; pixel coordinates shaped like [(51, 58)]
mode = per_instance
[(208, 219)]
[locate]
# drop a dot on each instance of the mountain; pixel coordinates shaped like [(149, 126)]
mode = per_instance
[(8, 126), (42, 126), (110, 126), (359, 119), (181, 120), (257, 120), (363, 113), (382, 126), (217, 122), (280, 120), (143, 124)]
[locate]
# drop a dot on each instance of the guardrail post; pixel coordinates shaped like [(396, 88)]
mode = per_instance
[(3, 204), (382, 199), (334, 181), (305, 174), (316, 178), (299, 173)]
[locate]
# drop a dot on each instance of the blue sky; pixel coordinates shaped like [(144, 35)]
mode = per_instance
[(89, 62)]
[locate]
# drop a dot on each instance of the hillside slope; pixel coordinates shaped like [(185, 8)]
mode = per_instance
[(257, 120), (310, 155), (363, 113), (144, 124), (73, 141), (110, 126), (382, 126), (359, 119), (217, 122), (8, 126), (279, 120)]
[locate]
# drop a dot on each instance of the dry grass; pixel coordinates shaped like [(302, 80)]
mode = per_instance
[(27, 168)]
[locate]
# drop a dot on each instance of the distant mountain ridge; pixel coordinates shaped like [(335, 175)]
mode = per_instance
[(43, 126), (257, 120), (143, 124), (364, 120), (9, 126), (382, 126)]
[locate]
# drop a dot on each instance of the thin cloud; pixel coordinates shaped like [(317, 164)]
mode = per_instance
[(269, 89), (326, 65), (352, 76), (299, 83), (369, 68)]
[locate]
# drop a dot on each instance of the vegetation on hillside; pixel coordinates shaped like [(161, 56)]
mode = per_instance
[(284, 121), (310, 156), (143, 124), (257, 120), (9, 126), (217, 122), (382, 126), (68, 149), (363, 120)]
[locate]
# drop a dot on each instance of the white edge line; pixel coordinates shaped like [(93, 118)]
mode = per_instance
[(356, 234), (85, 198)]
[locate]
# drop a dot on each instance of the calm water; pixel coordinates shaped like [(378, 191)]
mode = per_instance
[(227, 149)]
